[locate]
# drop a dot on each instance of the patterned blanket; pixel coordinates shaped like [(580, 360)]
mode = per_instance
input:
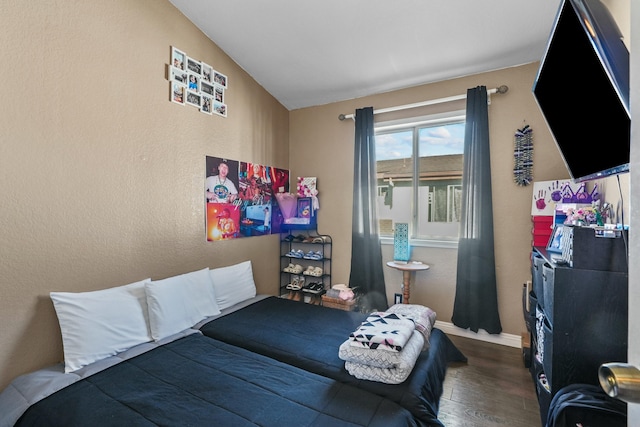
[(423, 317), (383, 331), (402, 333), (390, 367)]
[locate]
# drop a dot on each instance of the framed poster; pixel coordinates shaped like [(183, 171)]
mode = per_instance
[(304, 207), (194, 66), (178, 92), (178, 75), (207, 73), (194, 98), (178, 58), (207, 105)]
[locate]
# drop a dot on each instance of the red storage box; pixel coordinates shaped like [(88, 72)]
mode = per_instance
[(542, 221), (542, 229), (541, 241)]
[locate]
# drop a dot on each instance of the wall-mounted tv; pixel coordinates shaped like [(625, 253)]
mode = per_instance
[(582, 89)]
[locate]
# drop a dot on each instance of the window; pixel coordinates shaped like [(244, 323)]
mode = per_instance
[(419, 166)]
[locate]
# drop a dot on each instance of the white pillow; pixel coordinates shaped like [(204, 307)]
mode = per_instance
[(179, 302), (233, 284), (99, 324)]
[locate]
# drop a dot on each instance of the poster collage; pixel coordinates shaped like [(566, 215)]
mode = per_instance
[(197, 84), (241, 199)]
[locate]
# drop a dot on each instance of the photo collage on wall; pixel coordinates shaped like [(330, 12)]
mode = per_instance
[(241, 198), (197, 84)]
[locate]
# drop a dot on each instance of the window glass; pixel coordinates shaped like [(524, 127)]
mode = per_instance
[(419, 170)]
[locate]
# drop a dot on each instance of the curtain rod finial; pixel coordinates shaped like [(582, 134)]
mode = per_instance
[(341, 117), (503, 89)]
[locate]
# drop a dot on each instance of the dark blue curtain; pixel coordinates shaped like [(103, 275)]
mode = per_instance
[(366, 275), (476, 301)]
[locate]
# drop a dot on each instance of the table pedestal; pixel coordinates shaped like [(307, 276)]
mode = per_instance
[(408, 271)]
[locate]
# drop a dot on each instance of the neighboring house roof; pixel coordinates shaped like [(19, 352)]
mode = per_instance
[(431, 168)]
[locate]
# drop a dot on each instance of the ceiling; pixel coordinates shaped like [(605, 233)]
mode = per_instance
[(308, 53)]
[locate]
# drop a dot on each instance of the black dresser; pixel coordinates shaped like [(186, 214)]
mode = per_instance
[(578, 318)]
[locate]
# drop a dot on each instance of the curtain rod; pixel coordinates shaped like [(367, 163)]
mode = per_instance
[(500, 89)]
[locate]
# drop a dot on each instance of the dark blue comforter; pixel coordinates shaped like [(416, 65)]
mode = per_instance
[(199, 381), (308, 336)]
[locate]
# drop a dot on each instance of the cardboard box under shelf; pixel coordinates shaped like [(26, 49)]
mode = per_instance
[(338, 303)]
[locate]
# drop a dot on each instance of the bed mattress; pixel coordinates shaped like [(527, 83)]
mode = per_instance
[(309, 336), (200, 381)]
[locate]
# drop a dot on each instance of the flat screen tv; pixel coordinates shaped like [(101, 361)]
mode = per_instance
[(582, 89)]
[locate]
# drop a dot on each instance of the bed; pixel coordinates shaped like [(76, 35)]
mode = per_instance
[(308, 336), (199, 381), (202, 348)]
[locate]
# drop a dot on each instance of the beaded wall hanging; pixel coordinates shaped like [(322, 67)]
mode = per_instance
[(523, 156)]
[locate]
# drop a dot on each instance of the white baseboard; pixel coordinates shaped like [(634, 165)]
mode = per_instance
[(509, 340)]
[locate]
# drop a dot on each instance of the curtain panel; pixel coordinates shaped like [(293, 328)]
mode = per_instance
[(476, 301), (366, 275)]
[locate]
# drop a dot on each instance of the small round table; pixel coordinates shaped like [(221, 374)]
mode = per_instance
[(408, 269)]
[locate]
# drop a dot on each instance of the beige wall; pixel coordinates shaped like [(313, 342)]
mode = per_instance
[(322, 146), (102, 178)]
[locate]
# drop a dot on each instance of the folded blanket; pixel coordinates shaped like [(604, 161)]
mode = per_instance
[(383, 331), (379, 359), (423, 317), (382, 366)]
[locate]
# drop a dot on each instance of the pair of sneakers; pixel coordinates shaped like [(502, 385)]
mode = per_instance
[(314, 288)]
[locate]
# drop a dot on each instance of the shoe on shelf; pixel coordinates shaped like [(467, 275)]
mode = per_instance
[(312, 287), (295, 253), (315, 255), (299, 238), (309, 255), (309, 271), (295, 283), (297, 269), (288, 269), (289, 238), (319, 239), (317, 272), (315, 288)]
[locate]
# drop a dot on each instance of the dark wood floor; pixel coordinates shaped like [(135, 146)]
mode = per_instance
[(494, 389)]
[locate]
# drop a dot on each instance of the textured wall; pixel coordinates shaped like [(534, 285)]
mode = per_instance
[(102, 177), (322, 145)]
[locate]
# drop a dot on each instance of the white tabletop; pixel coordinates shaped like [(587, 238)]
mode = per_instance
[(408, 265)]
